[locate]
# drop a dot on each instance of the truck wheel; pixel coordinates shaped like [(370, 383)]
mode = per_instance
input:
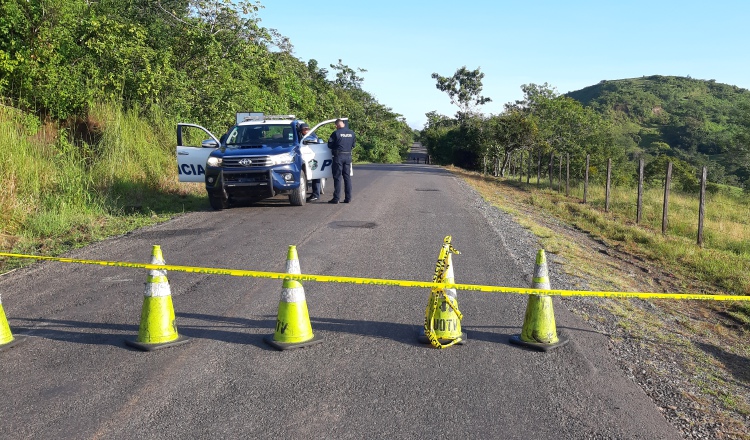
[(297, 198), (218, 203)]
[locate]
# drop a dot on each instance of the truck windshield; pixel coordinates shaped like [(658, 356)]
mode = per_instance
[(265, 134)]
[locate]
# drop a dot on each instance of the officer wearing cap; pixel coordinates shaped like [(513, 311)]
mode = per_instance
[(304, 129), (341, 144)]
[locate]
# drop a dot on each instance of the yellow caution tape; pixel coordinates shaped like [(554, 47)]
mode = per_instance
[(387, 282), (432, 306)]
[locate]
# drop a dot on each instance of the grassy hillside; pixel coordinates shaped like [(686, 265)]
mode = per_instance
[(701, 122), (60, 192)]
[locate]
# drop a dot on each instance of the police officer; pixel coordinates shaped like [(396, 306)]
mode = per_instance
[(341, 144)]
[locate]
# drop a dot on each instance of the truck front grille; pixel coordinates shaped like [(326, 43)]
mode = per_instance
[(246, 161)]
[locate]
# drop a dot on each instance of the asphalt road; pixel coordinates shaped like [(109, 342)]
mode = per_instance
[(75, 378)]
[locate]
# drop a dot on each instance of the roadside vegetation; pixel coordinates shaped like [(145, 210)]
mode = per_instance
[(90, 94), (57, 196), (659, 119), (624, 122)]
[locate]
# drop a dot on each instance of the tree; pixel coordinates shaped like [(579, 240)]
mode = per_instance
[(438, 135), (566, 127), (740, 147), (509, 132), (348, 78), (464, 89), (683, 174), (195, 60)]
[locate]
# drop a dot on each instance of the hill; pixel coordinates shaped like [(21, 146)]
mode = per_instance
[(702, 122)]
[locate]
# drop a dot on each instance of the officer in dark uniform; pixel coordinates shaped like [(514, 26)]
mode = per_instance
[(341, 144)]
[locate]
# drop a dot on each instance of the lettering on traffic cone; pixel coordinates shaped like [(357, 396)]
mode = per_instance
[(293, 329), (539, 331), (158, 328), (7, 340)]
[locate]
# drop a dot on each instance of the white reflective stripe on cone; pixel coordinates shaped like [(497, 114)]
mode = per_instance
[(449, 279), (293, 294), (157, 289), (292, 266)]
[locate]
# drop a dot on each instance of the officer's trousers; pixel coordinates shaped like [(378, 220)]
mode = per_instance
[(342, 167)]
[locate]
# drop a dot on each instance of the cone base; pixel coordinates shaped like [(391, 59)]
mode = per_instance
[(538, 346), (422, 338), (151, 347), (17, 339), (289, 345)]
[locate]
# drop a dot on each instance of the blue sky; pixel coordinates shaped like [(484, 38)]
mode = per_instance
[(568, 44)]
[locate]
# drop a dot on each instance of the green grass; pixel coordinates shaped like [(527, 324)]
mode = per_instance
[(723, 262), (62, 190)]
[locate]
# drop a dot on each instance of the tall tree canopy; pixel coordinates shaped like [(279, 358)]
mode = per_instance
[(199, 60), (464, 88)]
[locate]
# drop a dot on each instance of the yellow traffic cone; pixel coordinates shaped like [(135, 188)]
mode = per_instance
[(158, 328), (6, 337), (442, 321), (443, 313), (539, 331), (293, 329)]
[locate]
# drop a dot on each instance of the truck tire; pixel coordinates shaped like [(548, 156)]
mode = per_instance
[(299, 195), (218, 203)]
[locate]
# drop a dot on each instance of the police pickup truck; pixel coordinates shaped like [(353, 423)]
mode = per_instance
[(260, 157)]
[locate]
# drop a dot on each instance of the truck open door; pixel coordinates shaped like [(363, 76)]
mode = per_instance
[(193, 150), (318, 156)]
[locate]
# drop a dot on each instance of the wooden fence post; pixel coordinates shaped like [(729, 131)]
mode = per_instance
[(702, 207), (520, 166), (559, 175), (639, 203), (609, 180), (567, 174), (586, 180), (665, 209), (549, 167)]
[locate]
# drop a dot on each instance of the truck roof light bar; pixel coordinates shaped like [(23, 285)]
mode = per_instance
[(260, 117)]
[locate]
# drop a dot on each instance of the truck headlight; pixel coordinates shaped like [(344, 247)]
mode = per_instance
[(214, 162), (282, 159)]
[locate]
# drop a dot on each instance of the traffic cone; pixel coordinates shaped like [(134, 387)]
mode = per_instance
[(446, 323), (539, 331), (158, 328), (293, 329), (6, 337)]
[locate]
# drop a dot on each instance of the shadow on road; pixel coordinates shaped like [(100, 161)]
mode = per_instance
[(75, 331), (234, 330)]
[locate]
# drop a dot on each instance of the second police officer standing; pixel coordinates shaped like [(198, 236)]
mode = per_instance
[(341, 144)]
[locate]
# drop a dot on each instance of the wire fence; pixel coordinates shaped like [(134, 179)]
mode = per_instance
[(719, 218)]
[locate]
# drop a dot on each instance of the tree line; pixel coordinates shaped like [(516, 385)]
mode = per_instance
[(545, 123), (194, 60)]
